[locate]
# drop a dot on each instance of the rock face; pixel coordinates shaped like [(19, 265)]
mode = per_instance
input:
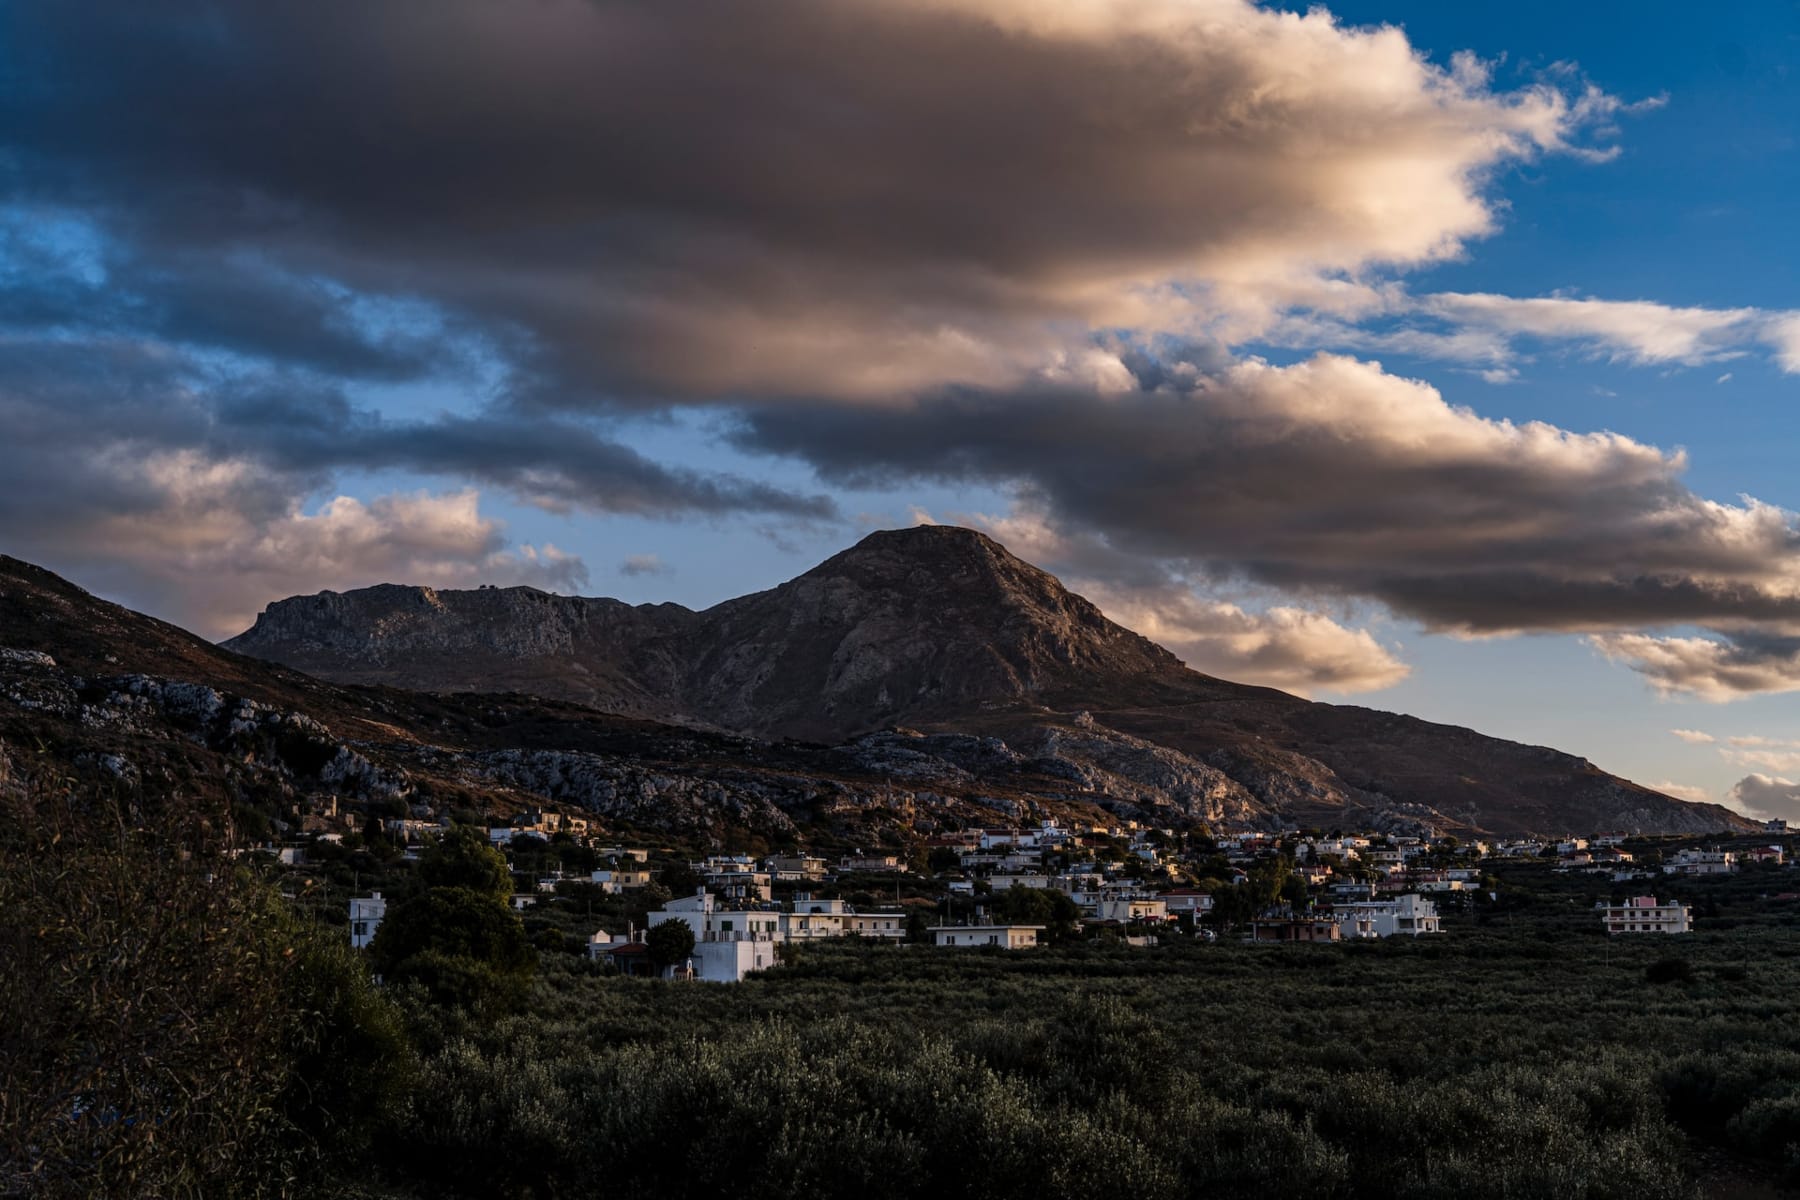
[(940, 629)]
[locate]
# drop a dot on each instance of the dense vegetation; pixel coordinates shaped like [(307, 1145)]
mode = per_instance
[(181, 1031)]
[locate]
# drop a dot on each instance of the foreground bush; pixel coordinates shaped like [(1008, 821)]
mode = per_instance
[(171, 1027)]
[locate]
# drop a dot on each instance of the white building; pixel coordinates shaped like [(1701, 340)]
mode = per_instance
[(889, 925), (1131, 908), (1013, 937), (729, 943), (1701, 862), (1407, 916), (1643, 914), (366, 913)]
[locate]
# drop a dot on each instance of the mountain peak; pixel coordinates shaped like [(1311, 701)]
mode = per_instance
[(928, 539), (931, 558)]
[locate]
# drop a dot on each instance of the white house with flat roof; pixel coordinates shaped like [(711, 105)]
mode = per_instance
[(1012, 937)]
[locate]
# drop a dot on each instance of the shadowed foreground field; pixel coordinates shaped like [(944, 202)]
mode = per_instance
[(183, 1030)]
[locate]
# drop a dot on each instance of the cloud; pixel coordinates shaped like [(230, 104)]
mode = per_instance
[(1767, 760), (1694, 737), (1331, 476), (1784, 336), (636, 565), (249, 558), (1682, 791), (1763, 753), (1280, 646), (1765, 797), (556, 464), (1710, 668), (638, 201), (185, 489), (1284, 647), (1637, 332), (1483, 330)]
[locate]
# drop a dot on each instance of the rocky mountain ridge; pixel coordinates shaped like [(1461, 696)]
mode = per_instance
[(941, 630), (90, 690)]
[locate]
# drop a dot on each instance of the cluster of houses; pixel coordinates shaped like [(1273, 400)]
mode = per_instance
[(1133, 879)]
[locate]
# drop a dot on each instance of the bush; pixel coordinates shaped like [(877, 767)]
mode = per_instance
[(171, 1027)]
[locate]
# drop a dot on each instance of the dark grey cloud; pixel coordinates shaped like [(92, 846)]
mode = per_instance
[(1334, 477), (555, 463), (1765, 796), (1739, 662), (637, 565), (711, 198), (93, 401), (184, 489), (73, 282)]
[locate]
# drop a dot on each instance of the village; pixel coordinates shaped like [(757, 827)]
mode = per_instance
[(1016, 888)]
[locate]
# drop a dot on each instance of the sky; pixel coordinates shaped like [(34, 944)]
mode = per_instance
[(1438, 358)]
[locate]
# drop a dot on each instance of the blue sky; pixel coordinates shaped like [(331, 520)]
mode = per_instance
[(673, 304)]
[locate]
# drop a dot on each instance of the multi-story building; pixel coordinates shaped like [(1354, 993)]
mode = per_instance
[(1402, 916), (1644, 914)]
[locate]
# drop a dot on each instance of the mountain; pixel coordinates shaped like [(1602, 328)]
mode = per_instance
[(907, 626), (939, 630), (93, 691)]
